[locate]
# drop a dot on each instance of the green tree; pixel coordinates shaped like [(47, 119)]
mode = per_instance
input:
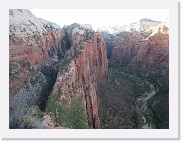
[(77, 114), (52, 104), (63, 116), (72, 117)]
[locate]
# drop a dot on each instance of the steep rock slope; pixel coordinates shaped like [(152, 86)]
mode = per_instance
[(70, 62), (127, 47), (34, 47), (153, 54), (145, 55), (88, 69)]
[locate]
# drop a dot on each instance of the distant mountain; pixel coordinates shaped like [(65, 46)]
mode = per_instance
[(112, 29), (141, 25)]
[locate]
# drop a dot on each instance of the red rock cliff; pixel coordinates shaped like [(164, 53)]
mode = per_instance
[(34, 47), (84, 74), (144, 54), (39, 50)]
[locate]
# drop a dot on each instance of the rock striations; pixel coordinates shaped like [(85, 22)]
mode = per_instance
[(44, 58), (145, 54), (85, 71), (34, 48)]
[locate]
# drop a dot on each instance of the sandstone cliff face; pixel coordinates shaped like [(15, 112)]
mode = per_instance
[(144, 54), (34, 48), (84, 72), (153, 54), (70, 62), (127, 47)]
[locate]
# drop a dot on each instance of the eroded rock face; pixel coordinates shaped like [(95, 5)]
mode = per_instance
[(127, 47), (153, 54), (84, 73), (145, 55), (34, 49), (70, 62)]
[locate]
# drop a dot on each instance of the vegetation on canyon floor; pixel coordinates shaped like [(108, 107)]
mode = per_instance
[(113, 98)]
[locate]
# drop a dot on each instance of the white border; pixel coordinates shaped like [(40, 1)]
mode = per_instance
[(171, 133)]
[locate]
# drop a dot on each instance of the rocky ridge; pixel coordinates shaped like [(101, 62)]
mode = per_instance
[(145, 53), (141, 26), (45, 58)]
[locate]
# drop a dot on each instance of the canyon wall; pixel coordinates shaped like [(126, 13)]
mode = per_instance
[(144, 54), (34, 49), (85, 71), (43, 58)]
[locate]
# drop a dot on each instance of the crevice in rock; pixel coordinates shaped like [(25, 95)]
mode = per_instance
[(51, 74), (66, 43)]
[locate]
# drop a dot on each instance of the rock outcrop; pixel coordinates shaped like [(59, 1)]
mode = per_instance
[(127, 47), (84, 72), (143, 54), (34, 49), (153, 54), (71, 62)]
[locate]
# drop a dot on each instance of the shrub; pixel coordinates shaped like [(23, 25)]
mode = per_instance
[(14, 70), (30, 119)]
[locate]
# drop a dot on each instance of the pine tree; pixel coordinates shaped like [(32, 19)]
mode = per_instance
[(77, 114)]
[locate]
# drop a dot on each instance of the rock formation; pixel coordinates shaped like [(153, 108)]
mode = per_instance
[(147, 55), (85, 71), (34, 47), (70, 62), (143, 25)]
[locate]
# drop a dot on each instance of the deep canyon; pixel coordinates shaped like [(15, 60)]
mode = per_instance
[(76, 77)]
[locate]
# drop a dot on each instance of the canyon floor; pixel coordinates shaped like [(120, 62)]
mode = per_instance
[(128, 107)]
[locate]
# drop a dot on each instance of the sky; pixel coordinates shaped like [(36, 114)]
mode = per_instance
[(100, 17)]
